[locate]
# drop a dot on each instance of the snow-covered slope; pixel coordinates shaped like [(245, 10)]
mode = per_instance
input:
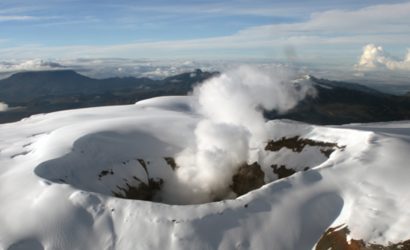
[(62, 175)]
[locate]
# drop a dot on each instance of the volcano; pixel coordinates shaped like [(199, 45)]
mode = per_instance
[(105, 178)]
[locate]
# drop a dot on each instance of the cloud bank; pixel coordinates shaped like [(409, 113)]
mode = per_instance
[(105, 68), (122, 67), (28, 65), (375, 58)]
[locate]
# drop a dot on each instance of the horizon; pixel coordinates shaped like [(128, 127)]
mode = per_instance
[(130, 39)]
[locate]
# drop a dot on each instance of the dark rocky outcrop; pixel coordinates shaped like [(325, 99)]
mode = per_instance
[(171, 162), (336, 239), (248, 178), (282, 171), (297, 144), (141, 191)]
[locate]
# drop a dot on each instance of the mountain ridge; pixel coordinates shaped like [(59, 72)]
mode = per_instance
[(29, 85), (337, 102)]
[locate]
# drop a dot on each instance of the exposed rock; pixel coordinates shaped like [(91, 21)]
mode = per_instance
[(282, 171), (144, 165), (171, 162), (327, 152), (336, 239), (104, 173), (143, 191), (297, 144), (248, 178)]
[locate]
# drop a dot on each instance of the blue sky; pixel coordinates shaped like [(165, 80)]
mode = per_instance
[(312, 32)]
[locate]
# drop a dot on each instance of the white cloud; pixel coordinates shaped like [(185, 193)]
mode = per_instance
[(121, 67), (157, 69), (104, 68), (3, 107), (375, 58), (28, 65), (219, 8), (382, 24), (4, 18)]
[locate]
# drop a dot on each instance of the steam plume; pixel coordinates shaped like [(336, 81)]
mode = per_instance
[(232, 107)]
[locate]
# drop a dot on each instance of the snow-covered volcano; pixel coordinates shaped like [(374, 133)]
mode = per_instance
[(107, 178), (204, 171)]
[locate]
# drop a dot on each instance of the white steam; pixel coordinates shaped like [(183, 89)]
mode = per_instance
[(3, 107), (232, 106), (375, 58)]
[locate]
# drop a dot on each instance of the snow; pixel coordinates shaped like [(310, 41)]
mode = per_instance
[(364, 186)]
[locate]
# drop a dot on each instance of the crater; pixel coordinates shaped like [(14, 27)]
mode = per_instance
[(125, 166)]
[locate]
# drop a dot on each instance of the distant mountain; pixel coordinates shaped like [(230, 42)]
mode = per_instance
[(325, 83), (343, 102), (183, 83), (47, 91), (27, 86)]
